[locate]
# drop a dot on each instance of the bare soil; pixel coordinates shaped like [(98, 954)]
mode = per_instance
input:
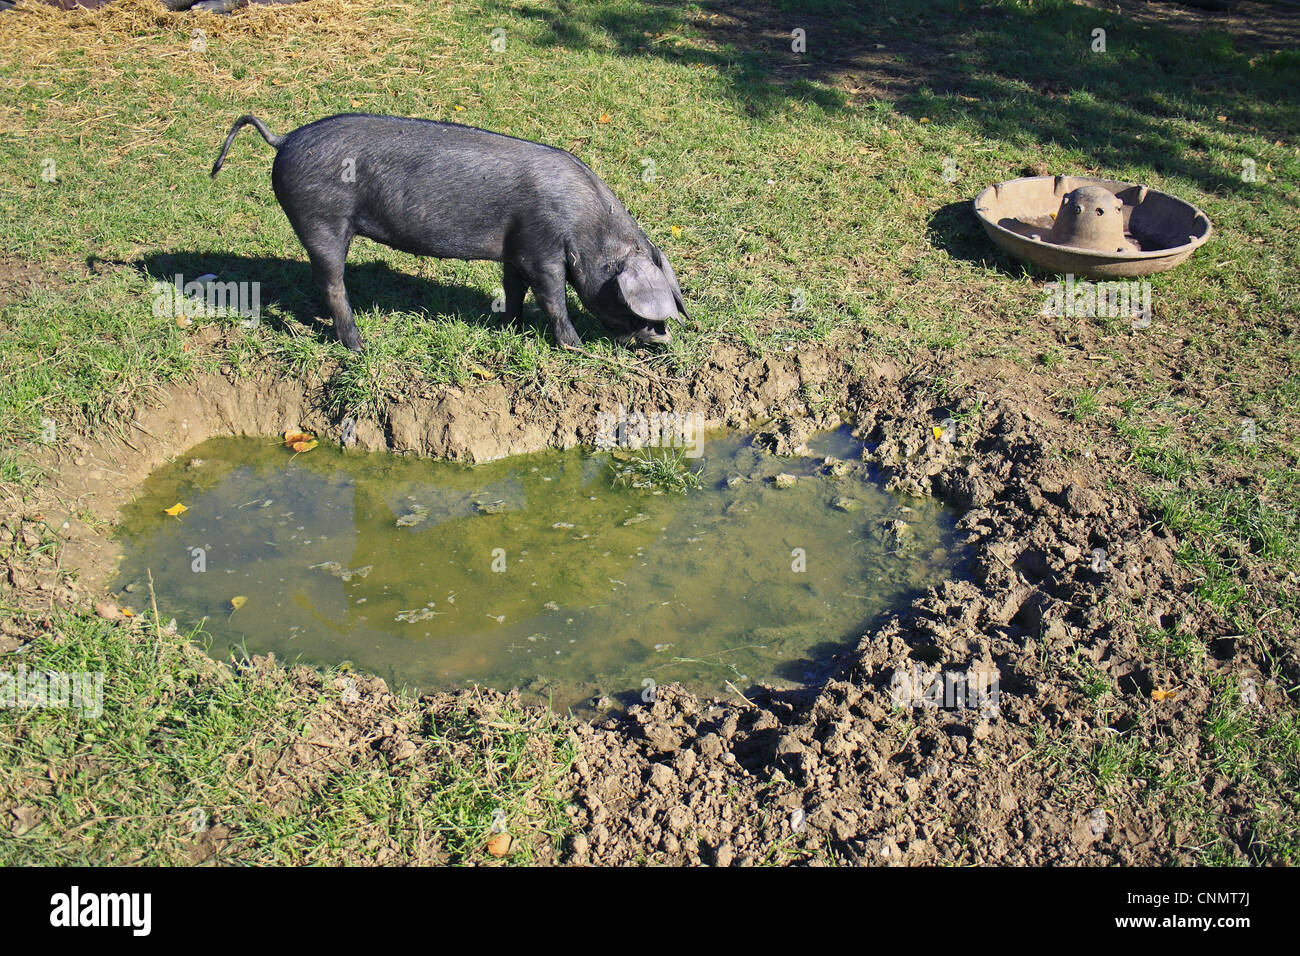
[(789, 775)]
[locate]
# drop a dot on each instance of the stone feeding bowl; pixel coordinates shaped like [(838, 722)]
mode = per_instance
[(1096, 228)]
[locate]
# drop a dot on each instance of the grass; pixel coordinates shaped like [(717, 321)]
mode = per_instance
[(662, 470), (800, 200), (768, 192), (1224, 525), (1241, 747), (185, 746)]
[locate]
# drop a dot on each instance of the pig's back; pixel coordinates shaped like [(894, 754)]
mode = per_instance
[(433, 188)]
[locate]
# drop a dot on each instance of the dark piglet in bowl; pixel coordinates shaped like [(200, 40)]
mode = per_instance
[(456, 192)]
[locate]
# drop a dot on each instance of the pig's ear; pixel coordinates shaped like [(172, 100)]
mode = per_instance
[(644, 289), (666, 268)]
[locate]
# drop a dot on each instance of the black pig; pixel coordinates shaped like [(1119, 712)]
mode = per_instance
[(456, 192)]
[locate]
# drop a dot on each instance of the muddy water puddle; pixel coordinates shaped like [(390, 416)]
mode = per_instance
[(548, 572)]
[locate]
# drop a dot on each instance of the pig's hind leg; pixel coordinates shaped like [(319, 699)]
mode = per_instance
[(515, 284), (328, 254)]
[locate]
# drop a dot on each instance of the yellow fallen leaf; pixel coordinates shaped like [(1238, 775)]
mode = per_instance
[(127, 612), (499, 845), (925, 119), (677, 230), (176, 509), (293, 437), (1161, 694), (237, 602), (605, 117), (936, 431), (301, 446), (481, 373), (460, 109)]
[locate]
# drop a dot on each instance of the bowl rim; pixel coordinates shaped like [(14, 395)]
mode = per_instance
[(1138, 256)]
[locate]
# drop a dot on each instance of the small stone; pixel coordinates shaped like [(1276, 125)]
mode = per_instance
[(784, 480), (107, 611), (1055, 631), (25, 818), (896, 532), (679, 818), (661, 776), (848, 504), (662, 738), (685, 762), (405, 750), (1082, 501)]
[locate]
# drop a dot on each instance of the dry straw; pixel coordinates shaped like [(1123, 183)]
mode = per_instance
[(75, 58), (38, 34), (38, 26)]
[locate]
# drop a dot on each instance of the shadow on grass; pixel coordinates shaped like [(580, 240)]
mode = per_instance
[(1023, 74), (955, 229), (287, 286)]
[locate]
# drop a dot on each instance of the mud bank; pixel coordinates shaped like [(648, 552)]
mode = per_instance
[(1066, 573)]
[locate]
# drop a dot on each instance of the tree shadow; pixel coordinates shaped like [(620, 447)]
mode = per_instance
[(1027, 75)]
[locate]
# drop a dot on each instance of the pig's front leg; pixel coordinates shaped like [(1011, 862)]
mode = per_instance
[(549, 290)]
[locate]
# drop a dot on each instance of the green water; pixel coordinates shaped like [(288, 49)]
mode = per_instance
[(538, 571)]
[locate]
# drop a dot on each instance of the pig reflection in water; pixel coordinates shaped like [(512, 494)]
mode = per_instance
[(533, 571)]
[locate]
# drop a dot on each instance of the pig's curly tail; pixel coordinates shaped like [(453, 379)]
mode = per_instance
[(275, 141)]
